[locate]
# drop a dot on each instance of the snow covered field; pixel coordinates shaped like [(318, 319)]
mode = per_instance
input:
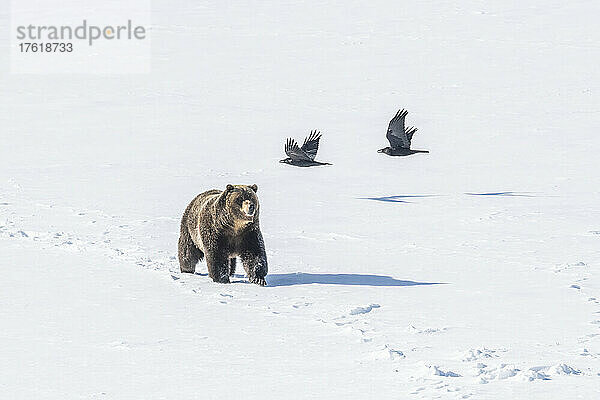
[(469, 272)]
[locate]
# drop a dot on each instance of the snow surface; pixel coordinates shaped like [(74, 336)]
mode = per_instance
[(472, 271)]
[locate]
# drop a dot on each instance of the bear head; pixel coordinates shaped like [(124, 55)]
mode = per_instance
[(241, 204)]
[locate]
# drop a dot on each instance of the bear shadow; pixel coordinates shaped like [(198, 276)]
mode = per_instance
[(301, 278)]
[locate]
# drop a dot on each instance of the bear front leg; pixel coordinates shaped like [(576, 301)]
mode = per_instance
[(218, 266), (232, 264), (255, 266)]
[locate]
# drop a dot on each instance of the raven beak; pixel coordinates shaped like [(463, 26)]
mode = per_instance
[(380, 151), (281, 161)]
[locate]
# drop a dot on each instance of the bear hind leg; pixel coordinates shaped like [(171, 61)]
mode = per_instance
[(189, 254)]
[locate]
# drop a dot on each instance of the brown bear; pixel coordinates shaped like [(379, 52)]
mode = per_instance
[(223, 225)]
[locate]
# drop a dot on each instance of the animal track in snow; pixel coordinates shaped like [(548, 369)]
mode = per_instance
[(327, 237), (586, 353), (387, 353), (364, 310), (581, 274), (427, 331), (435, 390), (578, 266), (301, 305), (434, 370), (506, 371), (478, 354), (74, 242)]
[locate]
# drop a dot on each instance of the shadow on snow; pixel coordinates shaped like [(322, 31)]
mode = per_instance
[(511, 194), (398, 198), (301, 278)]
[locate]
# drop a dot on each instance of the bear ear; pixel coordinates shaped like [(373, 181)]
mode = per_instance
[(229, 188), (254, 188)]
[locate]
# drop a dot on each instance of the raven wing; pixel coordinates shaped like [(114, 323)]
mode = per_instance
[(410, 132), (294, 152), (311, 144), (396, 134)]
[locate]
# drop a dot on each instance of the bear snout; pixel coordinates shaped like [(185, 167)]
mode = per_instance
[(249, 208)]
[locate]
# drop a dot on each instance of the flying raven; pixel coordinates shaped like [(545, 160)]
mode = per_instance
[(400, 137), (303, 156)]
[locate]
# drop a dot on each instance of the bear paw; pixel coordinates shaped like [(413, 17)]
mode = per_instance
[(258, 281), (222, 279)]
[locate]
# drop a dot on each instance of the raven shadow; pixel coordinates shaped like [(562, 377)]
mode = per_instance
[(506, 194), (398, 198)]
